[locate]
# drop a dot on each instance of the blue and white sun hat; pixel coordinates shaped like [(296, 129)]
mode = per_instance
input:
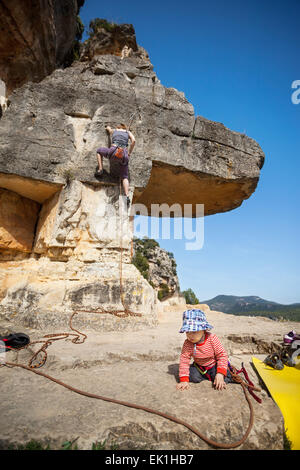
[(194, 320)]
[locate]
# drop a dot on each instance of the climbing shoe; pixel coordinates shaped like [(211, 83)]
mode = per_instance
[(274, 361), (286, 358)]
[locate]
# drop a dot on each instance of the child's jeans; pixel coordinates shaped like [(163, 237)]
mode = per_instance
[(196, 376)]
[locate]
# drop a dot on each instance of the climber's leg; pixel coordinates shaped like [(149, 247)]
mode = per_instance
[(103, 152), (100, 166), (124, 173), (125, 183)]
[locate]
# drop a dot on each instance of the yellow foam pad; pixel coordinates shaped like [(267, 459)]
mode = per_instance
[(284, 387)]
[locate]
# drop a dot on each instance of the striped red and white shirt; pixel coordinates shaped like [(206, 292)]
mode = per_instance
[(207, 353)]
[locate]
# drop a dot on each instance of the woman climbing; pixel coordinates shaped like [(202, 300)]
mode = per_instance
[(119, 139)]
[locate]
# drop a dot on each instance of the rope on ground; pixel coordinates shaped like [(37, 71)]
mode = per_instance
[(149, 410)]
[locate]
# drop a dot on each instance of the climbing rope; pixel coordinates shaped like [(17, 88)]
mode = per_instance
[(77, 340), (150, 410)]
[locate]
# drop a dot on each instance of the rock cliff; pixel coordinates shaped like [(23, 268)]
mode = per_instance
[(67, 254), (66, 242), (36, 37), (158, 266)]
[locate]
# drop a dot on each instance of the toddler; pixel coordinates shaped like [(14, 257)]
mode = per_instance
[(210, 357)]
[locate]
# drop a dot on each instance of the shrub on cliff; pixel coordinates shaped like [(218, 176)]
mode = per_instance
[(141, 263), (99, 23), (163, 291), (190, 297), (145, 245)]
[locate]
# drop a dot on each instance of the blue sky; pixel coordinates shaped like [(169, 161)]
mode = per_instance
[(236, 62)]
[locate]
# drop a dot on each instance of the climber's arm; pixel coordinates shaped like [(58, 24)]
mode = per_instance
[(132, 139), (109, 130)]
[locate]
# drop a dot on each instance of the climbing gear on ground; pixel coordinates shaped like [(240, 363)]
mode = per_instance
[(291, 352), (295, 346), (14, 341), (285, 358), (273, 360), (290, 337), (46, 343), (248, 383)]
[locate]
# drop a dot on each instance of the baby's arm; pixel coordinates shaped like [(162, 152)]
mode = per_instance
[(219, 381), (183, 386), (222, 363), (184, 367)]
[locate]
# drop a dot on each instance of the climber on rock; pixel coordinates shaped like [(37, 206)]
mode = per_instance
[(119, 140)]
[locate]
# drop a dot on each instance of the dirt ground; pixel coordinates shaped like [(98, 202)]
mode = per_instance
[(139, 367)]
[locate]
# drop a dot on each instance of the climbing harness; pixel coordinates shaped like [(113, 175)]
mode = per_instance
[(81, 337)]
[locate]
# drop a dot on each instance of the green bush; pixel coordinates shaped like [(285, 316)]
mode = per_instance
[(141, 263), (98, 23), (190, 297), (163, 291)]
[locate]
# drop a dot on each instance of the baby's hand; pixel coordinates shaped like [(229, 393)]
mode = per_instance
[(183, 386), (219, 382)]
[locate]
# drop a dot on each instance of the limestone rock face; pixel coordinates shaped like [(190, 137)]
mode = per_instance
[(35, 38), (56, 126), (109, 39), (83, 222), (79, 253), (18, 217), (43, 293), (48, 140)]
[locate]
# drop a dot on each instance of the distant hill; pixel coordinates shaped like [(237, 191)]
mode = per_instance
[(254, 306)]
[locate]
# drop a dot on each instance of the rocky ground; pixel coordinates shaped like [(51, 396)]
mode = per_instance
[(140, 367)]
